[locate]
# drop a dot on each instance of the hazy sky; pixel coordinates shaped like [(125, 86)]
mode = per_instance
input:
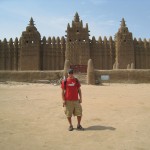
[(52, 16)]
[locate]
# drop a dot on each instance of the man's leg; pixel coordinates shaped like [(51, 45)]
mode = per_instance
[(69, 112), (79, 127), (70, 122), (79, 119), (78, 113)]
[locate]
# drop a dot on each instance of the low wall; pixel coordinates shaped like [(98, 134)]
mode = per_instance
[(116, 76), (30, 76), (125, 76)]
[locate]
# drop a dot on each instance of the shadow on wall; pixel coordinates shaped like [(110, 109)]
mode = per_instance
[(98, 127)]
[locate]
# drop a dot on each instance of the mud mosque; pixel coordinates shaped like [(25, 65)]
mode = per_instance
[(31, 52)]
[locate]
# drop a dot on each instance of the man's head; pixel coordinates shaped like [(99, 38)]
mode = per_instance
[(70, 71)]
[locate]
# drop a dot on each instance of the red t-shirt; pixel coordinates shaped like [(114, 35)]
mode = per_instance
[(72, 86)]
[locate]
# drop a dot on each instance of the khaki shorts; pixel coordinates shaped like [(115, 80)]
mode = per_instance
[(73, 107)]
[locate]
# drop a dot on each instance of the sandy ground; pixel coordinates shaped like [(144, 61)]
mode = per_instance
[(115, 117)]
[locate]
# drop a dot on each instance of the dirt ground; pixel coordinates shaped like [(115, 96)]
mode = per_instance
[(115, 117)]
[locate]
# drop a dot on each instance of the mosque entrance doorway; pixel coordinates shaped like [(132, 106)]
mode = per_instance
[(79, 68)]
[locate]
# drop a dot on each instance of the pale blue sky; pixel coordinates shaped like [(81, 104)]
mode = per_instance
[(51, 17)]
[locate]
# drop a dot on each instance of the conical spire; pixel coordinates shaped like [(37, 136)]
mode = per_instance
[(100, 39), (11, 40), (123, 24), (44, 40), (49, 40), (81, 24), (93, 39), (16, 41), (68, 26), (110, 38), (76, 17), (87, 26), (31, 22)]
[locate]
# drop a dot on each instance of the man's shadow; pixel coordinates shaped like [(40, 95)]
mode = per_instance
[(98, 127)]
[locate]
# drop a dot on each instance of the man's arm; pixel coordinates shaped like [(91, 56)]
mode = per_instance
[(63, 97), (80, 95)]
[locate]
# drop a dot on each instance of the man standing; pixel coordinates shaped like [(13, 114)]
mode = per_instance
[(72, 99)]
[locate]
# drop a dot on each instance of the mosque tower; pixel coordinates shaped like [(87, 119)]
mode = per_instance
[(30, 48), (77, 45), (125, 56)]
